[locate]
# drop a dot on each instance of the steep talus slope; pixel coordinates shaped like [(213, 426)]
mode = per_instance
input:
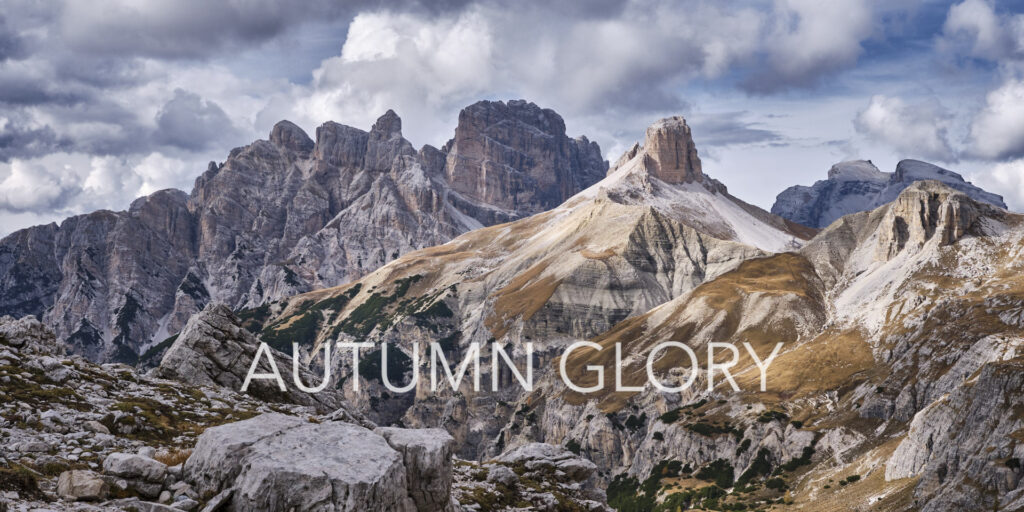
[(858, 185), (283, 216), (614, 251)]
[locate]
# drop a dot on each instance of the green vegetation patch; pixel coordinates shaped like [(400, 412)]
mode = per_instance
[(714, 429), (704, 498), (673, 415), (803, 460), (760, 467), (20, 480), (38, 390), (373, 312), (720, 472), (573, 446), (302, 330), (158, 349), (634, 423), (253, 319), (398, 364)]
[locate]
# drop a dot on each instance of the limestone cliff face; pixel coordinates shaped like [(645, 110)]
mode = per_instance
[(103, 280), (929, 209), (672, 155), (283, 216), (961, 445), (516, 157)]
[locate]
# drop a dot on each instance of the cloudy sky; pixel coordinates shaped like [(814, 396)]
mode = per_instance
[(106, 100)]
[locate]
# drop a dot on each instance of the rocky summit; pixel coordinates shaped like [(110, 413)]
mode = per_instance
[(671, 153), (283, 216), (858, 185)]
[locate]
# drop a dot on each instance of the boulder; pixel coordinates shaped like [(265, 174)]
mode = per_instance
[(540, 456), (82, 485), (186, 504), (499, 474), (28, 335), (277, 462), (427, 454), (135, 467), (96, 427)]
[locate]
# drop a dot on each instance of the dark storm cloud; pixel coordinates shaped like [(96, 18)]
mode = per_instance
[(183, 28), (199, 29), (186, 123), (22, 142), (190, 123), (99, 72), (11, 44), (23, 89)]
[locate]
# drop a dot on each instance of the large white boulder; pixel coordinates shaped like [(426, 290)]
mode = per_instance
[(279, 462)]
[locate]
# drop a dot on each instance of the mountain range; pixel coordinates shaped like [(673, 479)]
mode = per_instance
[(897, 298), (284, 216), (896, 321)]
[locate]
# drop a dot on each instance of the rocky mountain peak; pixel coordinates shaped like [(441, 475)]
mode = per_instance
[(858, 185), (388, 126), (286, 215), (853, 170), (340, 145), (515, 156), (286, 134), (671, 153), (908, 171)]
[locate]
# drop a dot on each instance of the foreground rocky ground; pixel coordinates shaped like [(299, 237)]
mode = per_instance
[(80, 436)]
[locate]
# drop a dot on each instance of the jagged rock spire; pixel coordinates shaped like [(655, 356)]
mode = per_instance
[(387, 126)]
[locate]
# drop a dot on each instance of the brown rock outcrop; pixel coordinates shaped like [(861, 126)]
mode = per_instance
[(671, 154)]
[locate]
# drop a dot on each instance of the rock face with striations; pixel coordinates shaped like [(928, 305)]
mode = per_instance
[(858, 185), (960, 445), (671, 153), (516, 158), (283, 216), (215, 350), (929, 209)]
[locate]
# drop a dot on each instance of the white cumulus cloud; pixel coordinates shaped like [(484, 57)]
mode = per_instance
[(997, 132), (974, 28), (1006, 178), (914, 130)]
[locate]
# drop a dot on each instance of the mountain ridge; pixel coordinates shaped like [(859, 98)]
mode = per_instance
[(280, 216), (858, 185)]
